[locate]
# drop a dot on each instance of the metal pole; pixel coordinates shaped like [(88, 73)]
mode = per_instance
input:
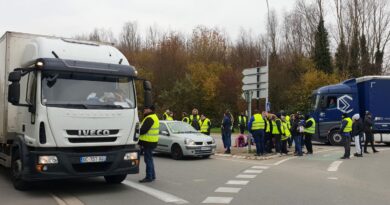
[(266, 99), (249, 116)]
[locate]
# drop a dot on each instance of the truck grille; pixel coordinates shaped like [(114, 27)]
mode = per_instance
[(92, 139)]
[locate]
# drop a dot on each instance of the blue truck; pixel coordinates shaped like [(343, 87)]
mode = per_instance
[(357, 95)]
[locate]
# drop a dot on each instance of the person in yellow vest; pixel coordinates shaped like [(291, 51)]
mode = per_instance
[(242, 122), (277, 131), (256, 127), (148, 141), (288, 121), (310, 130), (185, 117), (345, 131), (268, 144), (286, 135), (166, 114), (195, 119), (170, 116), (205, 125)]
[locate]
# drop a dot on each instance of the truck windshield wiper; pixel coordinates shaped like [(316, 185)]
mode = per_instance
[(105, 106), (68, 105)]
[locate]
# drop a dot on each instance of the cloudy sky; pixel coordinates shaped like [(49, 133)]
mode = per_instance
[(70, 17)]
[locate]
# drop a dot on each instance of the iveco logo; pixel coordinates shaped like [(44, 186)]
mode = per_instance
[(343, 104), (94, 132)]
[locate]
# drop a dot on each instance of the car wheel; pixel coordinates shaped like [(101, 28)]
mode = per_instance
[(206, 156), (176, 152), (387, 143), (115, 179), (335, 138), (16, 173)]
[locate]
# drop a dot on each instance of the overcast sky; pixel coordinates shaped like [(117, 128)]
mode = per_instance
[(70, 17)]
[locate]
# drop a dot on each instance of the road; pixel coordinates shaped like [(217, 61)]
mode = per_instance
[(318, 179)]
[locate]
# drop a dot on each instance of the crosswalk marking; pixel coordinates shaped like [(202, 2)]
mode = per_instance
[(250, 171), (260, 167), (246, 176), (227, 190), (217, 200), (237, 182)]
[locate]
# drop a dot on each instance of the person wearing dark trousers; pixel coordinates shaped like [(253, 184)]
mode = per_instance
[(205, 125), (296, 127), (242, 122), (277, 132), (368, 132), (268, 135), (256, 127), (148, 141), (345, 131), (357, 134), (310, 130), (227, 132)]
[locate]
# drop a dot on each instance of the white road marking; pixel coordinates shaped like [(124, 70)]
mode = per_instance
[(166, 197), (246, 176), (237, 182), (251, 171), (66, 199), (283, 160), (326, 150), (227, 190), (333, 178), (334, 166), (217, 200), (240, 161), (260, 167)]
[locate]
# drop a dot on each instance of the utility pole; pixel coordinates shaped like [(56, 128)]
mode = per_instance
[(267, 103)]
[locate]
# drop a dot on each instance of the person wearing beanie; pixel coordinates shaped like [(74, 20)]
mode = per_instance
[(357, 134)]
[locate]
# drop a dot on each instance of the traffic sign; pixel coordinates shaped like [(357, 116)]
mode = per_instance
[(250, 79), (253, 71), (256, 79)]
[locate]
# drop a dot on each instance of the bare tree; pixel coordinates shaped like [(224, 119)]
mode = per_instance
[(130, 39)]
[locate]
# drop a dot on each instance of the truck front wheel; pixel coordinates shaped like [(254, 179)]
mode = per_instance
[(335, 138), (16, 172), (115, 179)]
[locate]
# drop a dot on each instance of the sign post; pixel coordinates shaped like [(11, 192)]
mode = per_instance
[(255, 86)]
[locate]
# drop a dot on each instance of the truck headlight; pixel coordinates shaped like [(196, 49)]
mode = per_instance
[(130, 156), (47, 160), (189, 141)]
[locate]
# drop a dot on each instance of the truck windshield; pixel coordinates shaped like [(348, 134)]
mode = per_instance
[(87, 91), (315, 100)]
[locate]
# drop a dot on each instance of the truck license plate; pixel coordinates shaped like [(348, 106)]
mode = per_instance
[(91, 159), (205, 148)]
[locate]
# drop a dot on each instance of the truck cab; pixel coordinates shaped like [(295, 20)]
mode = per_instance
[(70, 110), (328, 104)]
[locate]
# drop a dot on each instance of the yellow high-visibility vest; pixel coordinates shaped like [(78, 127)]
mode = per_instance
[(348, 127), (312, 128), (275, 127), (186, 120), (152, 134), (258, 123), (204, 125)]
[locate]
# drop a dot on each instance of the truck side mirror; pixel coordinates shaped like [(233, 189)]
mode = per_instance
[(14, 93), (148, 94), (15, 76)]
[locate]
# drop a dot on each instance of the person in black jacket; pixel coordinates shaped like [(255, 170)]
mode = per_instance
[(368, 132), (357, 133)]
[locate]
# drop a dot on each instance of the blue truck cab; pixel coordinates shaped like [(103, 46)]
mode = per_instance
[(357, 95)]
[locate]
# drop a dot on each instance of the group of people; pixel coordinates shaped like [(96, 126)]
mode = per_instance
[(356, 128), (199, 122), (278, 131)]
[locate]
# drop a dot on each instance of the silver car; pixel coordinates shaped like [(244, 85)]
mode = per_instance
[(180, 139)]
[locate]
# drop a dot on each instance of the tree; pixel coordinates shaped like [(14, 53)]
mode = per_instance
[(341, 56), (322, 56), (364, 56), (353, 65)]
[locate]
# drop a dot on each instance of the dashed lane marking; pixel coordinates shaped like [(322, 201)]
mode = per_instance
[(260, 167), (250, 171), (237, 182), (227, 190), (66, 199), (166, 197), (246, 176), (334, 166), (217, 200)]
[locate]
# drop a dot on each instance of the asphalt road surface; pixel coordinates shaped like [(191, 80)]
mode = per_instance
[(318, 179)]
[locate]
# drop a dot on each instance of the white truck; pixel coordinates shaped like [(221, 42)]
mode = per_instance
[(68, 110)]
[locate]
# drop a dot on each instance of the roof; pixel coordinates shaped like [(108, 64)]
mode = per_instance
[(337, 88), (372, 77)]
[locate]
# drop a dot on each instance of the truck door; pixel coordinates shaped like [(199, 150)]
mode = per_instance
[(329, 116)]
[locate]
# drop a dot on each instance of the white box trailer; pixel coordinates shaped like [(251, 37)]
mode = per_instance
[(68, 109)]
